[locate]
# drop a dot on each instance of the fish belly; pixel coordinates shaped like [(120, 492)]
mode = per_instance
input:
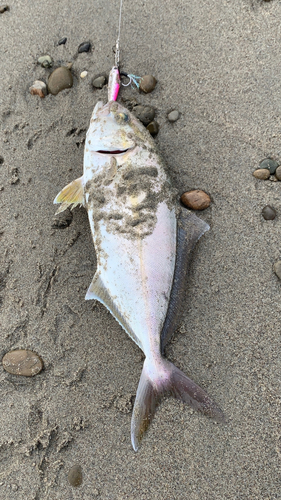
[(138, 274)]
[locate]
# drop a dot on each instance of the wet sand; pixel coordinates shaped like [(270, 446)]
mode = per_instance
[(218, 63)]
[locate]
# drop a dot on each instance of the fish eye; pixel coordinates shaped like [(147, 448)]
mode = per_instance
[(122, 117)]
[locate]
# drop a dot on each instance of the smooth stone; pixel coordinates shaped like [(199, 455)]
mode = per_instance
[(278, 173), (38, 88), (59, 79), (268, 212), (83, 74), (270, 164), (22, 362), (75, 476), (261, 173), (196, 199), (98, 82), (173, 116), (153, 128), (147, 83), (4, 8), (277, 268), (45, 61), (145, 114), (62, 41), (62, 220), (84, 47)]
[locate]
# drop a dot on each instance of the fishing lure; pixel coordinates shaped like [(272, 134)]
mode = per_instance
[(143, 241)]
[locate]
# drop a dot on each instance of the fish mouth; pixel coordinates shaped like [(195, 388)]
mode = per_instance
[(113, 152)]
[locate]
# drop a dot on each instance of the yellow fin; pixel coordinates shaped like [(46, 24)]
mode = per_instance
[(71, 195)]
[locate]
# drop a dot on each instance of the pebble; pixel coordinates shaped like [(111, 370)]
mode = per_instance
[(83, 74), (261, 173), (62, 220), (196, 199), (268, 212), (62, 41), (84, 47), (75, 477), (145, 114), (1, 160), (147, 83), (38, 88), (278, 173), (99, 81), (15, 176), (4, 8), (45, 61), (277, 268), (60, 79), (153, 128), (270, 164), (22, 362), (173, 116)]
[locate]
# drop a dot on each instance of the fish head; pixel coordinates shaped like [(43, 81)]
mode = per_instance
[(115, 131)]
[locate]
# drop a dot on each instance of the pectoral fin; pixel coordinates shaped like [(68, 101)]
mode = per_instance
[(98, 291), (71, 195)]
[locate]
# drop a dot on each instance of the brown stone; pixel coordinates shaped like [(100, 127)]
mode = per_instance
[(277, 268), (153, 128), (4, 8), (38, 88), (261, 173), (278, 173), (75, 476), (22, 362), (147, 83), (196, 199), (60, 79)]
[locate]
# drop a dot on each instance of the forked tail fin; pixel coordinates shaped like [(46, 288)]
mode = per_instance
[(166, 380)]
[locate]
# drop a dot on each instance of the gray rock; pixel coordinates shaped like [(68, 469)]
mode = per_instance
[(277, 268), (62, 41), (59, 79), (145, 114), (270, 164), (22, 362), (153, 128), (147, 83), (75, 476), (268, 212), (45, 61), (84, 47), (98, 82), (173, 116), (261, 173)]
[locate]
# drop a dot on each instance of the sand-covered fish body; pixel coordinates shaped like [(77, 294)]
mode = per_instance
[(143, 246)]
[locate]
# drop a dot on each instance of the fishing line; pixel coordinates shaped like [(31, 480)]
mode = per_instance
[(132, 78), (117, 51)]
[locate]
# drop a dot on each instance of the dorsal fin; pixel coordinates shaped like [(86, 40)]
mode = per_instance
[(190, 229), (71, 195), (98, 291)]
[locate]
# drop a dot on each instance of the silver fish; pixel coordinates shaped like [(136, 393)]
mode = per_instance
[(143, 241)]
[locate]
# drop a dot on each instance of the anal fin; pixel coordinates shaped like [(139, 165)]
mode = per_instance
[(98, 291), (71, 195)]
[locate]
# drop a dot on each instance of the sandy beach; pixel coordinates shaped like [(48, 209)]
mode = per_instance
[(218, 64)]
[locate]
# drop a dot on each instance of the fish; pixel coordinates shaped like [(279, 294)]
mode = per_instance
[(143, 241)]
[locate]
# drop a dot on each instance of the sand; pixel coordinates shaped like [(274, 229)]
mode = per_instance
[(218, 63)]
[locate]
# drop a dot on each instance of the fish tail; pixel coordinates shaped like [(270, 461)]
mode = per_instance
[(156, 383)]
